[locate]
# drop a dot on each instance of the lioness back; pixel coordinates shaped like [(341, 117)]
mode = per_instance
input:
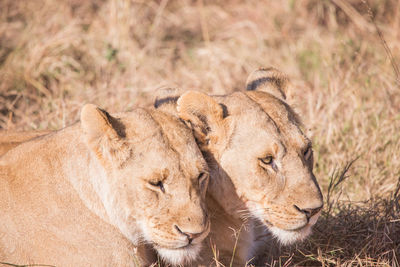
[(10, 139), (103, 191)]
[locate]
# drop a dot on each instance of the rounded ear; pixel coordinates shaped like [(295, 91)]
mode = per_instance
[(104, 134), (269, 80), (204, 115), (94, 121)]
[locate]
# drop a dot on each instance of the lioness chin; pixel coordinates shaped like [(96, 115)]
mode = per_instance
[(93, 194)]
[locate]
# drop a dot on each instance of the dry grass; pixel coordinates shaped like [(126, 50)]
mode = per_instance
[(56, 55)]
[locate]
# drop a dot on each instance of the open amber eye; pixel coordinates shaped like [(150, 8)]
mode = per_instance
[(159, 185), (267, 160)]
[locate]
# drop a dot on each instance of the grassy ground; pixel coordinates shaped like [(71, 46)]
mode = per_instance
[(57, 55)]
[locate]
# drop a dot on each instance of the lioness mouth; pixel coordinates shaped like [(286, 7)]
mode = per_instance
[(184, 247), (188, 246), (268, 223), (299, 228)]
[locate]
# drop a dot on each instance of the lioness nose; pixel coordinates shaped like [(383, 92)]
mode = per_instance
[(309, 212), (190, 236)]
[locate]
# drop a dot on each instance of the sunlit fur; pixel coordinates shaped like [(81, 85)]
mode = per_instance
[(183, 256), (175, 250), (290, 237)]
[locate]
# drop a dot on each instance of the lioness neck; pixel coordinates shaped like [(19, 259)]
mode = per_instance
[(70, 164)]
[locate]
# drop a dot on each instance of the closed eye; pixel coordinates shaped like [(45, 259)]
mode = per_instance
[(307, 153), (158, 185), (203, 181)]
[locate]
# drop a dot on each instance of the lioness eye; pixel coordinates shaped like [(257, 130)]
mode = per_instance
[(307, 152), (267, 160), (202, 178), (158, 184)]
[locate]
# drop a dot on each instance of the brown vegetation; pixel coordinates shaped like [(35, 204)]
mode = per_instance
[(56, 55)]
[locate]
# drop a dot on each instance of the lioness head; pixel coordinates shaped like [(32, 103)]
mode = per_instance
[(151, 179), (253, 142)]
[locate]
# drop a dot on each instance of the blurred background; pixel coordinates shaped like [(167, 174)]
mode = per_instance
[(341, 55)]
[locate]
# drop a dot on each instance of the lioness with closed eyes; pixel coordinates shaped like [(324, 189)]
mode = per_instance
[(95, 193)]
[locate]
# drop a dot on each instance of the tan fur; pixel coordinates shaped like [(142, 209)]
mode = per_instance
[(10, 139), (235, 132), (82, 196)]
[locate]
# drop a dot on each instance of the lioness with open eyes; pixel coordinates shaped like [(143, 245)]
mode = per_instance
[(260, 165), (94, 193)]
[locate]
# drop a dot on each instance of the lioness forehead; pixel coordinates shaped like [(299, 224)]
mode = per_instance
[(153, 125), (167, 140)]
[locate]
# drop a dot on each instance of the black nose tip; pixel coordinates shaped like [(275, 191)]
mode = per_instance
[(309, 212), (190, 236)]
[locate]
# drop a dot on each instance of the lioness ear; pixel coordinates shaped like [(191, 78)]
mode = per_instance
[(204, 115), (104, 135), (166, 95), (269, 80)]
